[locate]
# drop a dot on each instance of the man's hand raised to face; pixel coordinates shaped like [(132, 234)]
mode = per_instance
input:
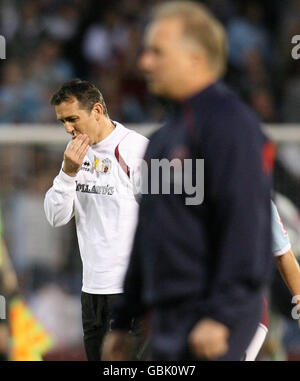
[(74, 154)]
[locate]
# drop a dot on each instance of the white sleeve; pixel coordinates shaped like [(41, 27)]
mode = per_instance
[(280, 242), (59, 200)]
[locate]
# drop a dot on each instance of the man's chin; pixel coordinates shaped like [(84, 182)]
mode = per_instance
[(159, 92), (155, 89)]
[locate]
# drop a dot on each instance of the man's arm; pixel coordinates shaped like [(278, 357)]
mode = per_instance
[(242, 231), (286, 262), (289, 270), (59, 200)]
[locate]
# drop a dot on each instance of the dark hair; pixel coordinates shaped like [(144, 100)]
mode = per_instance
[(85, 92)]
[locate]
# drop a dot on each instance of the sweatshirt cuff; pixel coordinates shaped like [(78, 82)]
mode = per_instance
[(66, 179)]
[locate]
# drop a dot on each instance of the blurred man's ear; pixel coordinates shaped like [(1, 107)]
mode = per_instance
[(198, 56)]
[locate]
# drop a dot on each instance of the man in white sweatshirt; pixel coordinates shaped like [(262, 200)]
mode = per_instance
[(97, 185)]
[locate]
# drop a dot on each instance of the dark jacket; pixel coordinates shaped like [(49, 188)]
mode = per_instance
[(217, 253)]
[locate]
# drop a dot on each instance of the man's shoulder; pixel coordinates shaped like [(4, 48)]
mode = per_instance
[(130, 135), (132, 138), (132, 142), (231, 115), (231, 106), (136, 137)]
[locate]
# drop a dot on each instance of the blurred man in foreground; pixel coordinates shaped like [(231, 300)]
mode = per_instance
[(199, 268)]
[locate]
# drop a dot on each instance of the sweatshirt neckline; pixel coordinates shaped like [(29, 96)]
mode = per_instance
[(108, 137)]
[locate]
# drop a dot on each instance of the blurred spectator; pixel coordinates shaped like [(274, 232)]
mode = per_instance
[(246, 34), (9, 19), (47, 66), (106, 40), (58, 311), (225, 10), (62, 24), (291, 100), (45, 72), (251, 59), (59, 39), (38, 251), (19, 101), (289, 68), (29, 28)]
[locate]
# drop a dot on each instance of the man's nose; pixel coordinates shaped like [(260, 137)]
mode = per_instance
[(145, 62), (69, 128)]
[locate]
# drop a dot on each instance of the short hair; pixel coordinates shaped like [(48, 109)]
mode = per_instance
[(85, 92), (201, 27)]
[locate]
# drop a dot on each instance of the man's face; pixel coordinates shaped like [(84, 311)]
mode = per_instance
[(167, 60), (77, 120)]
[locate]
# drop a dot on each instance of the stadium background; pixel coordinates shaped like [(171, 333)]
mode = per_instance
[(50, 41)]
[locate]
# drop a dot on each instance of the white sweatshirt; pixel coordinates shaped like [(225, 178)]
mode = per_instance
[(102, 199)]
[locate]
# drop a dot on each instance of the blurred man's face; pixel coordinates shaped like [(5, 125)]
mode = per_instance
[(168, 59), (77, 120)]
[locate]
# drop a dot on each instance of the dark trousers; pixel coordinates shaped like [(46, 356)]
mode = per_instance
[(97, 316), (172, 324)]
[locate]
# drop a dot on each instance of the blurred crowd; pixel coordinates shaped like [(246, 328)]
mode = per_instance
[(51, 41)]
